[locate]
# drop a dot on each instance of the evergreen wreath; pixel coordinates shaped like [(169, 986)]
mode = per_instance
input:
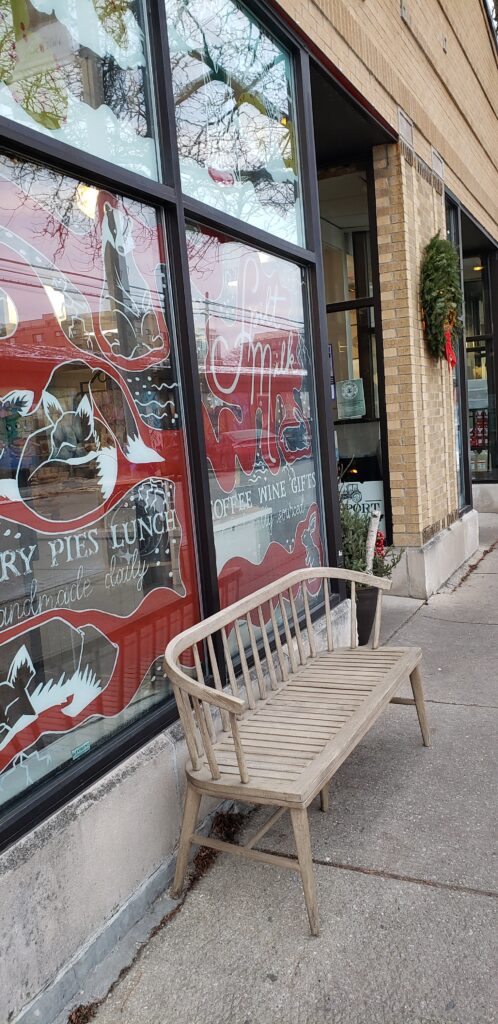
[(440, 294)]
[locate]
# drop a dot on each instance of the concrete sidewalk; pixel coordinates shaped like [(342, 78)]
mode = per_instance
[(404, 862)]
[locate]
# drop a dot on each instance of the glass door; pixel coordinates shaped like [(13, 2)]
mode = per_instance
[(453, 234), (352, 340), (480, 371)]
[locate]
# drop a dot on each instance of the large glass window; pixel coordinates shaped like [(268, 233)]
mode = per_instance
[(98, 560), (235, 120), (77, 70), (97, 567), (256, 377)]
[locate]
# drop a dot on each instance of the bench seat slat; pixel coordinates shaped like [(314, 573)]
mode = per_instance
[(311, 712), (269, 729), (265, 772), (313, 728), (266, 761), (317, 691), (299, 700), (283, 753), (290, 744), (314, 712)]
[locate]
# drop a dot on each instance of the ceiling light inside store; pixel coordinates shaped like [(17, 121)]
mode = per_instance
[(479, 267)]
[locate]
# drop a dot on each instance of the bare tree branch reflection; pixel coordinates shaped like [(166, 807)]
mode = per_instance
[(233, 101)]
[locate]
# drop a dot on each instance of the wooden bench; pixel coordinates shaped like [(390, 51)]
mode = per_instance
[(303, 710)]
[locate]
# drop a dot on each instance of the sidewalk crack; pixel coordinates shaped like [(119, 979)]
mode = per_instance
[(394, 876), (403, 624), (459, 622), (461, 704)]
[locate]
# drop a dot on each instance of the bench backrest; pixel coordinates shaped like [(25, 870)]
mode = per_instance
[(280, 641)]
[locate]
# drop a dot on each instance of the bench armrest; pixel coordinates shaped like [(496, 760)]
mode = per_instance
[(208, 694)]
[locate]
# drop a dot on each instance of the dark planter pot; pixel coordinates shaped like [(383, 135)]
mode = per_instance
[(366, 602)]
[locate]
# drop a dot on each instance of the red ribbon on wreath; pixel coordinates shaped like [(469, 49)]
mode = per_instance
[(449, 350)]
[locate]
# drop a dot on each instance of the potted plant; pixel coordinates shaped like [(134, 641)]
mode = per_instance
[(355, 528)]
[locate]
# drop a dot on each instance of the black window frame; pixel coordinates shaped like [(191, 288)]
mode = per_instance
[(373, 302)]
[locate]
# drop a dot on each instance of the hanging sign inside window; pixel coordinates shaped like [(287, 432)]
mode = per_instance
[(350, 399), (365, 496)]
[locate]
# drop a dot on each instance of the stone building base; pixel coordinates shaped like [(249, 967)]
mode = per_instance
[(485, 497), (423, 570)]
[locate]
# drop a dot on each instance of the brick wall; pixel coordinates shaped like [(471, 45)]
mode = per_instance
[(419, 401), (452, 96)]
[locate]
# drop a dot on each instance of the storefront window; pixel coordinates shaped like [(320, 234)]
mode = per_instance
[(256, 378), (234, 115), (77, 70), (97, 566), (102, 497)]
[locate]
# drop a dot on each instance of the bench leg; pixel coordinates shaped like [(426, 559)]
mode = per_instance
[(301, 828), (418, 694), (324, 799), (190, 812)]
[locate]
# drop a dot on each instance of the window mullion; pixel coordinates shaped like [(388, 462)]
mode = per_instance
[(203, 523), (20, 141), (212, 217), (318, 312)]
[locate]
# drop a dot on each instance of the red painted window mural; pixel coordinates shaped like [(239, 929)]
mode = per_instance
[(97, 567), (257, 390)]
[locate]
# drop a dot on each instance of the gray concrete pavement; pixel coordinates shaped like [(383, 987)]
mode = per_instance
[(406, 870)]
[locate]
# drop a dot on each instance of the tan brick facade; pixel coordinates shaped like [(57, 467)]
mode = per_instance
[(419, 397), (437, 61), (439, 65)]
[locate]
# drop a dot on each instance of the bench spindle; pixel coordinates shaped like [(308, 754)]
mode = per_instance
[(229, 663), (268, 653), (206, 739), (239, 750), (217, 680), (200, 679), (354, 635), (288, 636), (257, 660), (186, 718), (309, 624), (244, 666), (328, 620), (187, 701), (278, 644), (377, 620), (297, 628)]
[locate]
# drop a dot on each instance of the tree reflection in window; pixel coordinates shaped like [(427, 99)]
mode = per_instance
[(234, 114), (77, 70)]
